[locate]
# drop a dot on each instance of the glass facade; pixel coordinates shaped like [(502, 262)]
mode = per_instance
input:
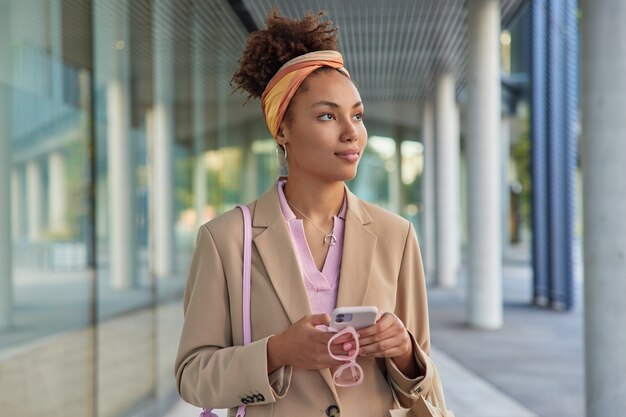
[(119, 136)]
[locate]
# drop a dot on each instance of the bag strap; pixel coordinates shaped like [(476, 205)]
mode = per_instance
[(247, 267)]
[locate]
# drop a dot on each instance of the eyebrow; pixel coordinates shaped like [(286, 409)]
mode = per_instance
[(334, 105)]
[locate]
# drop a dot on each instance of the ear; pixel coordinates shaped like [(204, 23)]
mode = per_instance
[(280, 135)]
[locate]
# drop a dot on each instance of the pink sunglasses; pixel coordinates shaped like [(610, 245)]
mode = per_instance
[(351, 373)]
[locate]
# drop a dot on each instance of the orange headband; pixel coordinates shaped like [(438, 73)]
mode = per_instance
[(289, 77)]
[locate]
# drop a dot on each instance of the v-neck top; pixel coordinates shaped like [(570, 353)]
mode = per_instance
[(321, 286)]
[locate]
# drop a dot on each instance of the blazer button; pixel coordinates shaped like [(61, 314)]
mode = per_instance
[(332, 411)]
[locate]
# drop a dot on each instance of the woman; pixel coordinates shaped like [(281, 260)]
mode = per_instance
[(316, 247)]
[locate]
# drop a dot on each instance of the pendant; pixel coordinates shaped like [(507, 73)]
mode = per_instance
[(331, 239)]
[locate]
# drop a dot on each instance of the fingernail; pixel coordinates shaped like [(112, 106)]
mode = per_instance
[(347, 346)]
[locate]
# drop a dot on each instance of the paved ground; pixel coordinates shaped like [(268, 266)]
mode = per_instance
[(536, 358), (533, 366)]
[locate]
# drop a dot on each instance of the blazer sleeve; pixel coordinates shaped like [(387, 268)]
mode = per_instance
[(210, 371), (412, 309)]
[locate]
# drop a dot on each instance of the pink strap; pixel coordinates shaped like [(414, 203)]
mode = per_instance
[(247, 263)]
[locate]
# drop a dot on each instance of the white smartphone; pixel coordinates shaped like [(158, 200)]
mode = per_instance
[(357, 317)]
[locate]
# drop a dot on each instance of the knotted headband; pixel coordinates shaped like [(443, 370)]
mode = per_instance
[(290, 76)]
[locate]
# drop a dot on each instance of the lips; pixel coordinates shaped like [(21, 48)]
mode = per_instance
[(350, 155)]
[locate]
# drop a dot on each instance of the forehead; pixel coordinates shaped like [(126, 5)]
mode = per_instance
[(329, 86)]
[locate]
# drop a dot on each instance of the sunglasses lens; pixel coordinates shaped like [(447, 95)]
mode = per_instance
[(348, 348), (349, 374)]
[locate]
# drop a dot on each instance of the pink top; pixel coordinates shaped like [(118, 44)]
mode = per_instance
[(320, 286)]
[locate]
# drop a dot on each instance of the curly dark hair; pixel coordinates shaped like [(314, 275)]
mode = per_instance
[(283, 39)]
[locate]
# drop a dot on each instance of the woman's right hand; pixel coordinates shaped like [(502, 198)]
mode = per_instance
[(302, 345)]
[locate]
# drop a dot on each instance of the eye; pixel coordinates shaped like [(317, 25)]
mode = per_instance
[(358, 116), (326, 117)]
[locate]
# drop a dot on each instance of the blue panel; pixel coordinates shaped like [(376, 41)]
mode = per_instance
[(539, 140), (554, 110)]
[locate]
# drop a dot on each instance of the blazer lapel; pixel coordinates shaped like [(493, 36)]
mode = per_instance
[(278, 256), (358, 254)]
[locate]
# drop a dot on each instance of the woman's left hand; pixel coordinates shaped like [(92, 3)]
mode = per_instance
[(388, 338)]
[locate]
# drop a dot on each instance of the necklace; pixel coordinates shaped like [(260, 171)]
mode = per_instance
[(329, 237)]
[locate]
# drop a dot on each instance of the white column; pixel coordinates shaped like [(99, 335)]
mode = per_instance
[(429, 216), (447, 180), (505, 196), (457, 192), (604, 203), (16, 203), (6, 257), (200, 195), (34, 200), (484, 293), (250, 175), (121, 174), (163, 137), (57, 194), (121, 187), (56, 50), (394, 176)]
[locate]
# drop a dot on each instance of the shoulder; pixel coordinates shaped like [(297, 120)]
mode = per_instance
[(384, 223), (225, 226), (395, 236)]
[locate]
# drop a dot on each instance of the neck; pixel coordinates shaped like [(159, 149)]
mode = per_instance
[(318, 200)]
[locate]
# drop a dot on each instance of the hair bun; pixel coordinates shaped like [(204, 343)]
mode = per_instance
[(282, 39)]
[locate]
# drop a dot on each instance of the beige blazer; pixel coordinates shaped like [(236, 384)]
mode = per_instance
[(381, 266)]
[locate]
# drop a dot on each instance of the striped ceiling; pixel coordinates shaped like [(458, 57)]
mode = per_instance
[(393, 48)]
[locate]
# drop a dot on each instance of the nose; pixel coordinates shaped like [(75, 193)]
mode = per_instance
[(349, 131)]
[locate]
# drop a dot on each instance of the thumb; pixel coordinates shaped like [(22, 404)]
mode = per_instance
[(317, 319)]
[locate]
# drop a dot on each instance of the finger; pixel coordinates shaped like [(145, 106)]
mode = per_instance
[(397, 341), (387, 320), (317, 319), (342, 347), (382, 348), (383, 335), (343, 339), (391, 353), (340, 351)]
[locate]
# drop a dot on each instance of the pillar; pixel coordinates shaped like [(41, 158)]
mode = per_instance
[(554, 95), (394, 175), (6, 257), (604, 202), (484, 294), (250, 158), (56, 50), (447, 180), (34, 200), (57, 194), (429, 214), (163, 138), (16, 203), (200, 195), (121, 174), (505, 191)]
